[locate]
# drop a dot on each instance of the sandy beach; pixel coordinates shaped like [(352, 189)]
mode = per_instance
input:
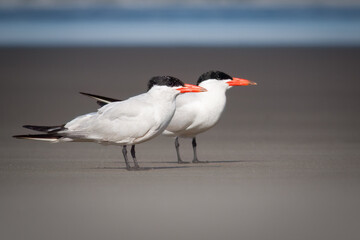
[(284, 158)]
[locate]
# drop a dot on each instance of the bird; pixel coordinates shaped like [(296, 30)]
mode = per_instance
[(129, 122), (196, 113)]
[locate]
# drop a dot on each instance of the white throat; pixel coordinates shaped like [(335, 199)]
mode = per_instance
[(214, 99)]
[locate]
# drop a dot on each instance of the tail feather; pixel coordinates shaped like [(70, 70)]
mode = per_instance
[(51, 133), (41, 137), (101, 100), (47, 129)]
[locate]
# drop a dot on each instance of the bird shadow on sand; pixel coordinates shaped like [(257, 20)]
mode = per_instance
[(177, 166), (204, 163), (143, 168), (230, 161)]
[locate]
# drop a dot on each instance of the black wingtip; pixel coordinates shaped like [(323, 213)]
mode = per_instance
[(18, 136), (43, 137), (47, 129), (86, 94), (29, 127), (89, 94), (100, 98)]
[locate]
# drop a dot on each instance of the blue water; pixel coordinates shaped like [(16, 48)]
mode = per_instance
[(235, 26)]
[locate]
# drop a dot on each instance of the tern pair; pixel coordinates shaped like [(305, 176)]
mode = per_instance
[(169, 107)]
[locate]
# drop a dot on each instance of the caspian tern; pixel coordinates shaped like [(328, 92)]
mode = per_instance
[(198, 113), (135, 120)]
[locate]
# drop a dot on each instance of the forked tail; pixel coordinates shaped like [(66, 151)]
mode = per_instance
[(51, 133)]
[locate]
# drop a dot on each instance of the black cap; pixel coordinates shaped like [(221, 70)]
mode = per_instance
[(164, 81), (213, 75)]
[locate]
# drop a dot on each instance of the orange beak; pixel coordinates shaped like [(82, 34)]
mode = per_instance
[(191, 88), (240, 82)]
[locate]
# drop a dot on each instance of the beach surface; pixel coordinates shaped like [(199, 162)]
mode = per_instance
[(284, 160)]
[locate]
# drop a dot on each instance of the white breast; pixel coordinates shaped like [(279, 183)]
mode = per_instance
[(196, 113)]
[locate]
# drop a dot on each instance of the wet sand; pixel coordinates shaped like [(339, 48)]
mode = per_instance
[(284, 158)]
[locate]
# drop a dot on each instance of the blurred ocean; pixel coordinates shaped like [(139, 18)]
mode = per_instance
[(172, 26)]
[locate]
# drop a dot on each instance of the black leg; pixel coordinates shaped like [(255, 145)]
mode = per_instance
[(177, 145), (136, 165), (196, 160), (124, 151)]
